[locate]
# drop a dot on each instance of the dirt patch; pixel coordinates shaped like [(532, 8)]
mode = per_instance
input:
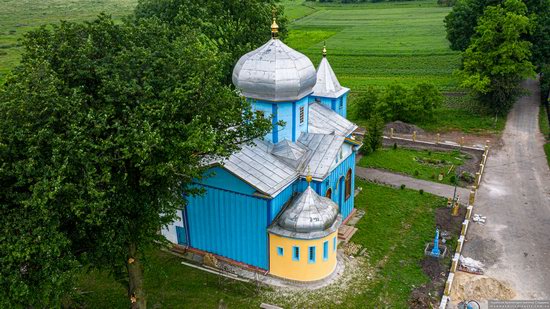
[(434, 268), (400, 127), (449, 223), (480, 288)]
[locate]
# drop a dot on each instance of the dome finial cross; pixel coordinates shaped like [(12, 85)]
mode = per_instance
[(274, 26)]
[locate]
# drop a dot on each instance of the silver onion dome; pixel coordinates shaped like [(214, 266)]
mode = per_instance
[(308, 216), (274, 72)]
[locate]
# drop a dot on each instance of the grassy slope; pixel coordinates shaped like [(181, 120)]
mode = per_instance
[(404, 161), (394, 230), (378, 44), (20, 16)]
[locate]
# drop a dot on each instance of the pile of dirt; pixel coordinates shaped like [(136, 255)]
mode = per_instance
[(400, 127), (466, 286), (449, 223)]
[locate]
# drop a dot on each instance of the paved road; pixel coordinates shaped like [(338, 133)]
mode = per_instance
[(515, 197), (411, 183)]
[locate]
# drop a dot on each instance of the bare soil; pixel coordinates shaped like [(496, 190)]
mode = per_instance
[(429, 294)]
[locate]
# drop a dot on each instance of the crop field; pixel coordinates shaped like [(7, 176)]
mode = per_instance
[(20, 16), (377, 44)]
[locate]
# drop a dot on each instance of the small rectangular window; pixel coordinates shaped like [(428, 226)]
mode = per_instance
[(295, 253), (280, 251), (311, 257), (341, 103), (302, 116), (334, 244), (325, 250)]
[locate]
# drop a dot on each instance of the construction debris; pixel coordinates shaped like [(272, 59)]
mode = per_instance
[(479, 219), (470, 265), (480, 288)]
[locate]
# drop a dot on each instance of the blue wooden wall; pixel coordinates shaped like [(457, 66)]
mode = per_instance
[(219, 177), (333, 181), (338, 105), (230, 224)]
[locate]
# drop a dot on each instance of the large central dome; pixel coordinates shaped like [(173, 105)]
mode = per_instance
[(274, 72)]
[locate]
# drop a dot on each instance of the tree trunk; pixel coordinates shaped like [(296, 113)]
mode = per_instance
[(135, 280)]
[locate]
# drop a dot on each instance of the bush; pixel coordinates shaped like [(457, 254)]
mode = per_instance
[(416, 173), (421, 191), (453, 179), (365, 103), (375, 133), (402, 186), (394, 146)]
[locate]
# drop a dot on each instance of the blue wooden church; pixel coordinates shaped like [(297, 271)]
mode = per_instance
[(315, 150)]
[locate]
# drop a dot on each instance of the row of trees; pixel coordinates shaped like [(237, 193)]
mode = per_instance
[(503, 42), (397, 102), (103, 126)]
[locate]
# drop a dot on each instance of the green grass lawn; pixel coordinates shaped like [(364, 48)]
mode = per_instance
[(20, 16), (377, 44), (394, 230), (396, 227), (420, 164)]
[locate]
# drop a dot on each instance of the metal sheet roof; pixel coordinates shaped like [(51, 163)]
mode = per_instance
[(308, 216), (324, 149), (274, 72), (327, 84), (257, 166), (323, 120)]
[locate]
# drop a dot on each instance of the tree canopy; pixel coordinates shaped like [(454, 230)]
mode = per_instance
[(235, 27), (498, 58), (102, 129), (463, 19)]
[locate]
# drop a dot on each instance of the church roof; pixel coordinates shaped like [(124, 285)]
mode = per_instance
[(327, 84), (308, 216), (257, 166), (323, 120), (274, 72), (291, 153), (324, 149)]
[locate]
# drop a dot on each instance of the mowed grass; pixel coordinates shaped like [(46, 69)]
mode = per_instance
[(19, 16), (379, 44), (397, 225), (421, 164)]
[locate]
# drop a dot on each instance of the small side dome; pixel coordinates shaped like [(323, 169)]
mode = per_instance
[(308, 216), (274, 72)]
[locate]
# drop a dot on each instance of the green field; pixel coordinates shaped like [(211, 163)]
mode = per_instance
[(20, 16), (394, 230), (378, 44), (421, 164)]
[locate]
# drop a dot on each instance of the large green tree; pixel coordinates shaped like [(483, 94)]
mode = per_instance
[(234, 26), (463, 19), (498, 58), (102, 129)]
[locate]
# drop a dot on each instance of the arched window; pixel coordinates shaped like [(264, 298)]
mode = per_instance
[(329, 193), (348, 184)]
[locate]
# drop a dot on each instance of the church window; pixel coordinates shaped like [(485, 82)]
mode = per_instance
[(341, 103), (295, 253), (334, 244), (348, 184), (280, 251), (329, 193), (302, 116), (311, 257), (325, 250)]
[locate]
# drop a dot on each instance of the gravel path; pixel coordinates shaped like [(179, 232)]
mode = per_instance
[(515, 197), (410, 182)]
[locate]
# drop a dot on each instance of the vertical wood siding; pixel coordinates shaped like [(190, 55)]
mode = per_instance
[(230, 224)]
